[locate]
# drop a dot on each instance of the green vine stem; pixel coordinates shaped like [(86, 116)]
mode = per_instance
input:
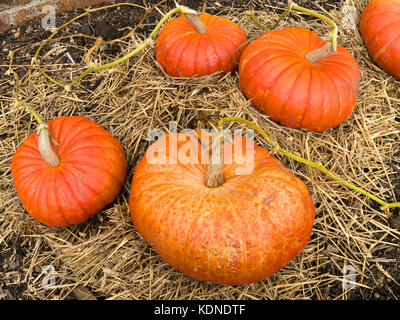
[(19, 102), (251, 15), (45, 136), (316, 165), (179, 9), (43, 132), (37, 117), (148, 11), (332, 35)]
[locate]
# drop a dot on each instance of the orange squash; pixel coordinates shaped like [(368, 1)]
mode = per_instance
[(88, 173), (197, 46), (280, 79), (380, 30), (237, 230)]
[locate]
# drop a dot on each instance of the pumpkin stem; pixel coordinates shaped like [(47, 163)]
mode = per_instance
[(214, 177), (251, 15), (43, 132), (44, 135), (317, 165), (45, 148), (320, 53), (332, 42), (196, 22)]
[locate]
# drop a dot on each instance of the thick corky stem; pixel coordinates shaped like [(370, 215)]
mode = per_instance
[(214, 177), (43, 132), (196, 22), (320, 53), (330, 46), (45, 148)]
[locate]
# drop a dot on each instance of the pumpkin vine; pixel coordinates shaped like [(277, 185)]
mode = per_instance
[(93, 68), (317, 165), (44, 144), (332, 35)]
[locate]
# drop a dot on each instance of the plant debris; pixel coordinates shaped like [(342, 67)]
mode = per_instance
[(106, 256)]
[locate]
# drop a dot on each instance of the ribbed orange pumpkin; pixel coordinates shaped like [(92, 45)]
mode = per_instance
[(183, 51), (380, 30), (278, 79), (89, 176), (236, 233)]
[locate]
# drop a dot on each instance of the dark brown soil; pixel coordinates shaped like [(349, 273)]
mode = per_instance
[(112, 24), (15, 254)]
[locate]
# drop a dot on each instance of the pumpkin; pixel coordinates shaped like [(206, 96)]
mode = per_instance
[(287, 74), (380, 30), (65, 184), (197, 46), (234, 223)]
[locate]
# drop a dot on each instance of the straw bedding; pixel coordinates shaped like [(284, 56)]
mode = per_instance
[(106, 257)]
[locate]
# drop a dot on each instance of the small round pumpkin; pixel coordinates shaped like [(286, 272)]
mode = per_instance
[(380, 30), (235, 225), (197, 46), (281, 77), (88, 173)]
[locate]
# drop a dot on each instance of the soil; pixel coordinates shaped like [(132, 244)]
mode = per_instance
[(113, 23), (15, 253)]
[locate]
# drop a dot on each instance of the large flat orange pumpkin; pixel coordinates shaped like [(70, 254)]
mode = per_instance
[(240, 232)]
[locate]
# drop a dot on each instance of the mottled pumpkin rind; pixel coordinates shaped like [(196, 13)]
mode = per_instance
[(380, 30), (279, 81), (238, 233), (183, 52), (90, 175)]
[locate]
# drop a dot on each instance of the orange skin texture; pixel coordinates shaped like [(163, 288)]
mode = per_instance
[(380, 30), (238, 233), (90, 175), (183, 52), (276, 76)]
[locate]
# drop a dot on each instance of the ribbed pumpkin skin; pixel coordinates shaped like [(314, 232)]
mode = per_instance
[(237, 233), (183, 52), (380, 30), (277, 78), (90, 175)]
